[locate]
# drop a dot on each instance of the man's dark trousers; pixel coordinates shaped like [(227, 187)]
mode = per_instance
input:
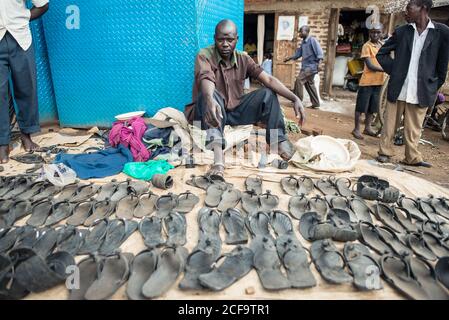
[(260, 106), (21, 65), (306, 78)]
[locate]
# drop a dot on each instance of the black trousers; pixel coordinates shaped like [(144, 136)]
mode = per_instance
[(307, 79), (260, 106)]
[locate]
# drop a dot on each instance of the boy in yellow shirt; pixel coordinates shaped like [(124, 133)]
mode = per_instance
[(370, 83)]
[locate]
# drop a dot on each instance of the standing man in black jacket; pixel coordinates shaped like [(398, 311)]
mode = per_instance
[(417, 72)]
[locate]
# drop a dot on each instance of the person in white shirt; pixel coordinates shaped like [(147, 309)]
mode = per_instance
[(17, 60), (417, 72)]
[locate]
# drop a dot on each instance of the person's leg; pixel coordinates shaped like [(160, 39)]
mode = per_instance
[(299, 86), (23, 74), (392, 111), (413, 121), (4, 102), (360, 108), (312, 91), (373, 108)]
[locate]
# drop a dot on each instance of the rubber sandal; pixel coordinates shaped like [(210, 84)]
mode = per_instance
[(437, 229), (84, 192), (329, 262), (146, 205), (39, 213), (327, 186), (312, 228), (117, 233), (199, 262), (268, 201), (306, 185), (209, 221), (5, 204), (88, 269), (258, 224), (343, 186), (281, 223), (296, 262), (126, 206), (39, 274), (237, 264), (425, 274), (405, 219), (416, 242), (396, 271), (121, 191), (253, 183), (70, 239), (176, 228), (33, 190), (9, 237), (166, 204), (435, 245), (442, 271), (186, 202), (213, 195), (59, 212), (162, 181), (7, 220), (367, 187), (28, 158), (387, 216), (138, 187), (81, 211), (45, 243), (361, 210), (202, 182), (229, 199), (389, 195), (344, 232), (441, 206), (319, 205), (412, 207), (250, 202), (290, 185), (94, 238), (370, 236), (113, 273), (68, 192), (10, 289), (343, 204), (268, 265), (27, 239), (234, 225), (107, 190), (389, 236), (364, 268), (297, 206), (100, 210), (170, 264), (151, 231), (143, 266), (428, 210), (20, 209), (20, 185), (48, 191)]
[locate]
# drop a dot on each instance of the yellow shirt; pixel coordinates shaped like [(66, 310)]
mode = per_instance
[(369, 77), (249, 48)]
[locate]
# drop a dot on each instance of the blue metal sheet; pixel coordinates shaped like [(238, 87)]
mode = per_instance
[(128, 55)]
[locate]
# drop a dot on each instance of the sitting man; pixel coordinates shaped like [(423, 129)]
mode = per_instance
[(220, 72)]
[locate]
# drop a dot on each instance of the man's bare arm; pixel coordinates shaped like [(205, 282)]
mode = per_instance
[(212, 115), (36, 12)]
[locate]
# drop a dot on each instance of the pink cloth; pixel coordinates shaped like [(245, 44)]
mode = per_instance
[(129, 133)]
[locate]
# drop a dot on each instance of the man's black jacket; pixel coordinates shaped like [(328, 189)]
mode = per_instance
[(433, 62)]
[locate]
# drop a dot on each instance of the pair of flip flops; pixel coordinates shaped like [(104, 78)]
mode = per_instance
[(420, 210), (252, 202), (336, 226), (101, 276), (294, 186), (48, 212), (300, 204), (372, 188), (134, 205), (154, 272), (414, 278), (183, 203), (427, 246), (440, 205), (331, 186), (115, 190), (222, 197), (383, 239), (106, 237), (174, 226), (203, 182)]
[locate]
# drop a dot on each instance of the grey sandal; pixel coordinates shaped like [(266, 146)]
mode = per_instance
[(146, 205), (151, 231), (234, 224)]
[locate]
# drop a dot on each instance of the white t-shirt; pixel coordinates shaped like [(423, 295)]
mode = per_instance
[(15, 18)]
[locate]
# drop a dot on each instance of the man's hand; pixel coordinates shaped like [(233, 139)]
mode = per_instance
[(287, 60), (213, 115), (299, 112), (320, 67)]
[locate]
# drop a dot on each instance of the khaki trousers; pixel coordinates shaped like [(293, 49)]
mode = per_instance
[(413, 120)]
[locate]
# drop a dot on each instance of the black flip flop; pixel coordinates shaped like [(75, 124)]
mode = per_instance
[(250, 202), (209, 221), (319, 205), (143, 266), (442, 271), (117, 233), (441, 206), (361, 209), (387, 216), (94, 238), (370, 236), (413, 208), (151, 230), (126, 206), (297, 206), (213, 195), (312, 227), (68, 192), (175, 225), (234, 225), (428, 210), (229, 199), (39, 213), (84, 192), (165, 204), (107, 190), (342, 203), (88, 269), (281, 223), (405, 219), (268, 201), (416, 242), (81, 211), (202, 182), (344, 230), (398, 245), (70, 239), (290, 185), (254, 183), (121, 191), (146, 205), (327, 186), (343, 186), (59, 212), (258, 224), (186, 202), (100, 210)]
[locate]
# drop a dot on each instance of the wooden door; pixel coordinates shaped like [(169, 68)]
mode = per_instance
[(285, 72), (331, 50)]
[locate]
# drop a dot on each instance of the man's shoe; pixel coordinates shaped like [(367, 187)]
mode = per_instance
[(286, 150), (418, 164), (383, 159)]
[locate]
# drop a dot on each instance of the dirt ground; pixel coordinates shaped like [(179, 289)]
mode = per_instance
[(340, 125)]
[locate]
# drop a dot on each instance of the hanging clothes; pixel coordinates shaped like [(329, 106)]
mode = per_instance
[(129, 133)]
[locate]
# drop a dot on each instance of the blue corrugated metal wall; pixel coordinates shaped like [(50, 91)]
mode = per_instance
[(128, 55)]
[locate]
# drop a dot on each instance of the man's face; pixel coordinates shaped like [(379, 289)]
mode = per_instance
[(304, 33), (375, 35), (412, 12), (226, 42)]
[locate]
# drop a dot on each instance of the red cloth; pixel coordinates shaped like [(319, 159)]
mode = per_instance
[(129, 133)]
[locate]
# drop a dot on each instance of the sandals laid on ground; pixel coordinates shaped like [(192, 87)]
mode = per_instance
[(175, 226), (442, 271), (297, 206), (116, 234), (234, 225), (186, 202), (100, 210), (229, 199), (253, 183), (373, 188), (146, 205), (151, 230), (412, 207), (387, 216)]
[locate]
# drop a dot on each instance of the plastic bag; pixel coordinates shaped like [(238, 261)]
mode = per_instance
[(58, 174), (146, 170)]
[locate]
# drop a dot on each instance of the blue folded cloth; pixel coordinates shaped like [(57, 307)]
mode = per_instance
[(100, 164)]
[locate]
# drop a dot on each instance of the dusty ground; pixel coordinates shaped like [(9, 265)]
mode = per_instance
[(340, 125)]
